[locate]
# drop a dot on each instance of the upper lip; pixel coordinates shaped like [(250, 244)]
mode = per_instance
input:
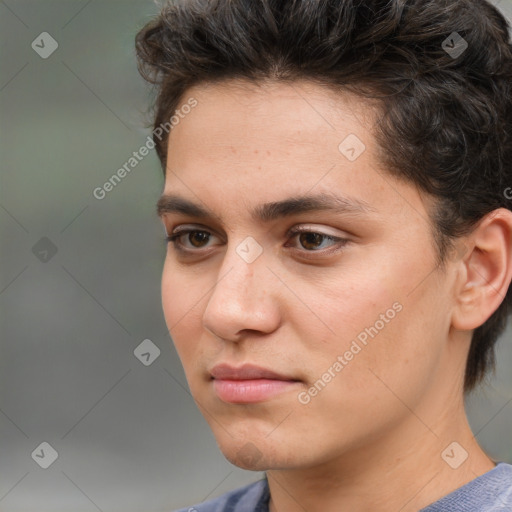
[(245, 372)]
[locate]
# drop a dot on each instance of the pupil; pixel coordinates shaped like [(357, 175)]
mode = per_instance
[(311, 238), (198, 234)]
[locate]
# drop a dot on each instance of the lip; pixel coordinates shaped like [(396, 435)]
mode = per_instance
[(246, 372), (249, 383)]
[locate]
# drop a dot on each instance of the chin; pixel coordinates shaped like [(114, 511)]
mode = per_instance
[(247, 458), (257, 455)]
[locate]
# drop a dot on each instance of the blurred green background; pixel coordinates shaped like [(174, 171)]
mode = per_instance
[(80, 282)]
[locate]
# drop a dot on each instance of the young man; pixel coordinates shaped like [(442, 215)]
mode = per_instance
[(340, 241)]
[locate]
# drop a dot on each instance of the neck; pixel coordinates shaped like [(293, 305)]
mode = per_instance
[(401, 470)]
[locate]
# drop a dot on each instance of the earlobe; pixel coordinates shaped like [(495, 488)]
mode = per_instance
[(487, 271)]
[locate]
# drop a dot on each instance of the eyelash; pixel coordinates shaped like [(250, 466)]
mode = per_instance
[(341, 242)]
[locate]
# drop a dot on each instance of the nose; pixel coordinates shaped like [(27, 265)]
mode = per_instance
[(245, 297)]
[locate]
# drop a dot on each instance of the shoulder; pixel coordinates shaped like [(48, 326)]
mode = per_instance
[(490, 492), (250, 498)]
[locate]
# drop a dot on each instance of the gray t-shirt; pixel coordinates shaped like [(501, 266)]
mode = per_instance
[(490, 492)]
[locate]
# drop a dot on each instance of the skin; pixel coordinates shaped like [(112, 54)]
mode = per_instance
[(372, 438)]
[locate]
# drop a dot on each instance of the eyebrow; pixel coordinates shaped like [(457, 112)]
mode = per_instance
[(172, 203)]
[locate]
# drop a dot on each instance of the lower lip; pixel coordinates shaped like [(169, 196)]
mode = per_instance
[(249, 391)]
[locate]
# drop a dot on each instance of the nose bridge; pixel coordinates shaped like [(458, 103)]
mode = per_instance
[(236, 277), (238, 299)]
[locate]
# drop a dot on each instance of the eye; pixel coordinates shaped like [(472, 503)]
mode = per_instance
[(196, 237), (189, 240), (313, 240)]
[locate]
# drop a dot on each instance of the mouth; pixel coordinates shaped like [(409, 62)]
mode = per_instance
[(249, 383)]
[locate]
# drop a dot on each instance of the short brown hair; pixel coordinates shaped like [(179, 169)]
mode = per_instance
[(446, 122)]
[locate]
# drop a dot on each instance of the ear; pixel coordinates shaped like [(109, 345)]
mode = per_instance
[(485, 272)]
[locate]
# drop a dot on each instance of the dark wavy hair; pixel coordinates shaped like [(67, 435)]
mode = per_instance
[(445, 120)]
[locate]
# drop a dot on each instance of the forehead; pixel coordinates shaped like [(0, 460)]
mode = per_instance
[(246, 144), (260, 109), (242, 127)]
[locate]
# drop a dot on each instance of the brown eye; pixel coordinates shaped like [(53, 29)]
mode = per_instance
[(310, 244), (310, 240), (196, 239)]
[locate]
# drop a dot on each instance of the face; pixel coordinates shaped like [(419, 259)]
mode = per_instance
[(303, 327)]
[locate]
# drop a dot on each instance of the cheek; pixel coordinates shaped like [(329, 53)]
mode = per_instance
[(352, 307), (173, 302), (376, 387), (398, 362), (384, 333), (180, 305)]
